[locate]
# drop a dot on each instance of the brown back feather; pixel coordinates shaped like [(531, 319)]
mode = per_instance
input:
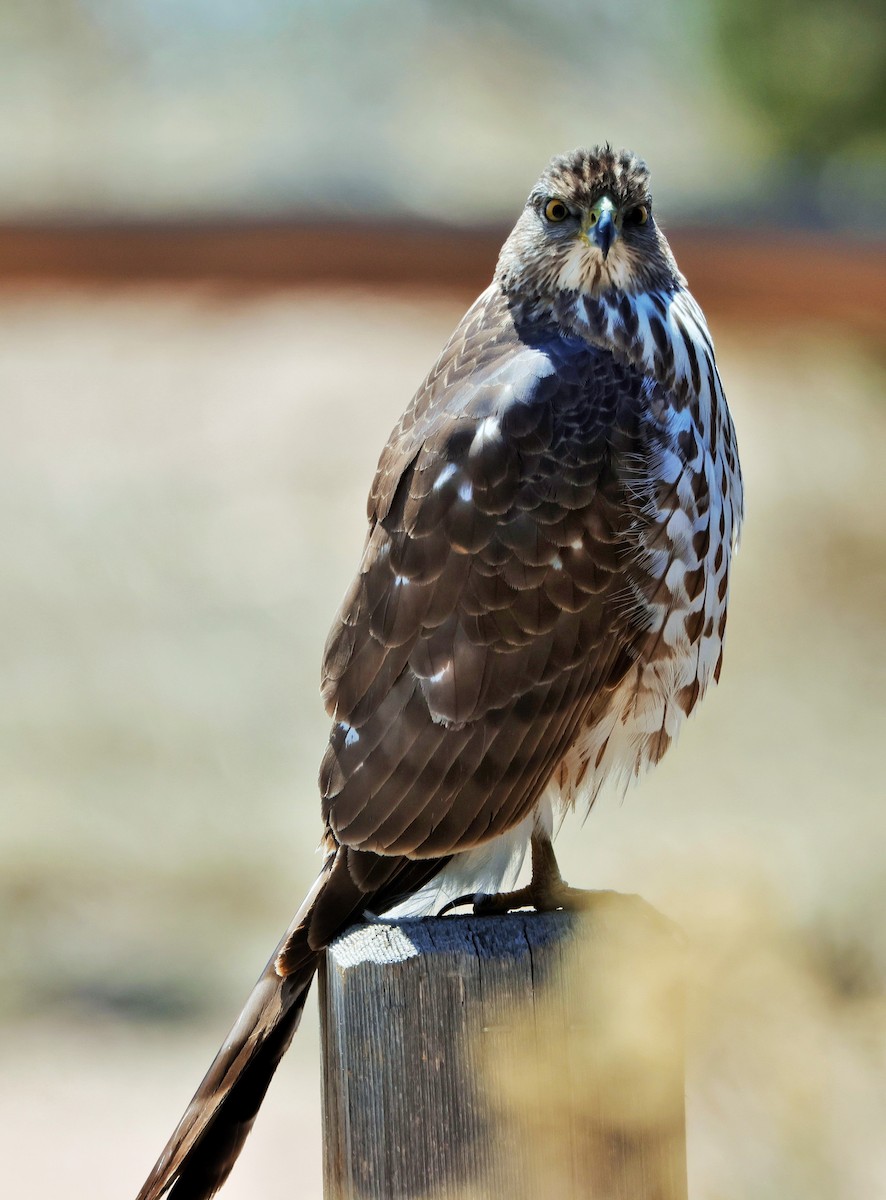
[(494, 601)]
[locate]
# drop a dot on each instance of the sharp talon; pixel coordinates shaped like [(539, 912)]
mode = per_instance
[(491, 906), (461, 900), (546, 892)]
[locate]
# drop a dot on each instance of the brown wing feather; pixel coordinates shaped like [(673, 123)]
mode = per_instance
[(493, 606)]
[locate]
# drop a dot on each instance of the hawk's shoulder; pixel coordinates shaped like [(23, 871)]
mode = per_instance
[(499, 389)]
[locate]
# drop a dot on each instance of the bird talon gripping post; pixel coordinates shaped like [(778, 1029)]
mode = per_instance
[(540, 604), (471, 901)]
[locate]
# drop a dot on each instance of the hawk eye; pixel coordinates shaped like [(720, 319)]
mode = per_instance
[(556, 210), (638, 215)]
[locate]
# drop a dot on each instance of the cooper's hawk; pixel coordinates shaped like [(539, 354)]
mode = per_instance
[(540, 603)]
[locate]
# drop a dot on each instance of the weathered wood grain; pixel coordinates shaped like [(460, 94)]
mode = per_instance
[(532, 1055)]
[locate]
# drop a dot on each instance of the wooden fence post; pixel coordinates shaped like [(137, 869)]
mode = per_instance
[(505, 1058)]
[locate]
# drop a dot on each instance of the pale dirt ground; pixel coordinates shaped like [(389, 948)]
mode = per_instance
[(182, 484)]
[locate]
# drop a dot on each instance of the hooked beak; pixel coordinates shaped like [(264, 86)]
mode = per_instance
[(602, 225)]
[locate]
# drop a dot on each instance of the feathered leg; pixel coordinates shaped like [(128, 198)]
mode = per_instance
[(545, 891)]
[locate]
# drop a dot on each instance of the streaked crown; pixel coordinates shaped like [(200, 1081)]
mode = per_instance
[(587, 229)]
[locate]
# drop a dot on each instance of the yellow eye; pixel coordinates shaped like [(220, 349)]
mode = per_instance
[(638, 215), (556, 210)]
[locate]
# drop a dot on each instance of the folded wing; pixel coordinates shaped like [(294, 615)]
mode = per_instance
[(494, 608)]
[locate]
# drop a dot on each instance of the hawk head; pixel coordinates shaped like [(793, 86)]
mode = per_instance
[(588, 228)]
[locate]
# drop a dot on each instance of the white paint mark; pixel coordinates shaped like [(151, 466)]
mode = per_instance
[(379, 940)]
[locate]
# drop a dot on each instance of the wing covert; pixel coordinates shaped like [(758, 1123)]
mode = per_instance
[(493, 605)]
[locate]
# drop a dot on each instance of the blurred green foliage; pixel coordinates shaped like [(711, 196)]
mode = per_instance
[(814, 70), (442, 112)]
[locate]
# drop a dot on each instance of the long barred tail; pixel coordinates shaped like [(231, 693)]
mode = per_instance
[(205, 1145), (199, 1155)]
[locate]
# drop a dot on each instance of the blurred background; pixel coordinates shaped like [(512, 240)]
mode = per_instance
[(233, 237)]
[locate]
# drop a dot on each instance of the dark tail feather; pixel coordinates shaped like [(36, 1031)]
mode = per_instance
[(207, 1164), (205, 1145), (210, 1135)]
